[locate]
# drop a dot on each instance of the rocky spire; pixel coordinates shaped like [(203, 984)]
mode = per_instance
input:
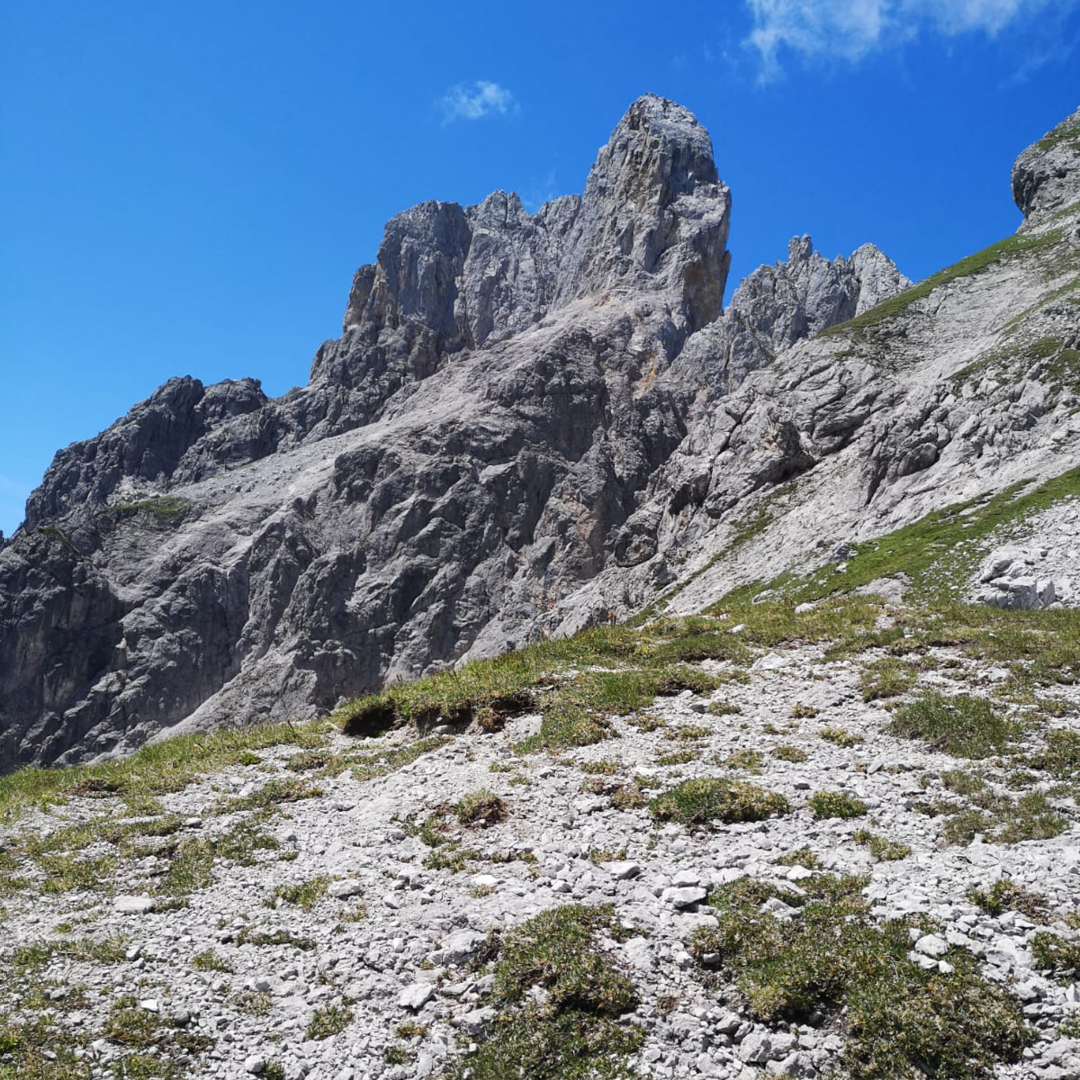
[(654, 215), (654, 218)]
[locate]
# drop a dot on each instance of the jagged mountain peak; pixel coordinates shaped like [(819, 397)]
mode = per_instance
[(653, 218), (529, 421)]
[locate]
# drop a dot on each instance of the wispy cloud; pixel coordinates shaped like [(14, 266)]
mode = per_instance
[(475, 100), (851, 29)]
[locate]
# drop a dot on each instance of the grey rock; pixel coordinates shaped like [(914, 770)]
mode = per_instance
[(415, 997), (1046, 176), (529, 423), (342, 890)]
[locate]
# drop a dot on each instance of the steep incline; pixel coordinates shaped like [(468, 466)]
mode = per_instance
[(489, 435), (960, 387)]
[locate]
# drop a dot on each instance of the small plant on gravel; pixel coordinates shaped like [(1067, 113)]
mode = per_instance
[(751, 760), (575, 1032), (831, 958), (332, 1020), (304, 894), (785, 752), (963, 781), (886, 678), (1055, 954), (285, 790), (963, 726), (411, 1029), (1006, 895), (838, 736), (397, 1055), (1061, 755), (687, 732), (836, 804), (723, 708), (277, 937), (252, 1002), (677, 757), (1004, 821), (803, 857), (628, 797), (881, 847), (208, 960), (803, 712), (600, 768), (481, 808), (709, 799)]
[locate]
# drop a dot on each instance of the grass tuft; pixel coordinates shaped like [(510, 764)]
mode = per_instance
[(836, 804), (705, 800), (962, 726), (832, 959)]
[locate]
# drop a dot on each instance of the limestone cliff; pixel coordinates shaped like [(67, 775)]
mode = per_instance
[(529, 422)]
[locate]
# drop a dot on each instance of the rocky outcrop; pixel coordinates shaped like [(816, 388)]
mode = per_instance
[(1046, 176), (530, 422)]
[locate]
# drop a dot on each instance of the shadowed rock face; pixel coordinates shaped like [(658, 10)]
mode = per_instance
[(503, 401), (1046, 176)]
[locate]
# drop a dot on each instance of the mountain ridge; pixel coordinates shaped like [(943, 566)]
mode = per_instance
[(506, 442)]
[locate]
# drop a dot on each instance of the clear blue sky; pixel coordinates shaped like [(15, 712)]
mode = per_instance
[(187, 186)]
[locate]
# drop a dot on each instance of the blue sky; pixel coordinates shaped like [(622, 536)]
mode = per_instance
[(188, 185)]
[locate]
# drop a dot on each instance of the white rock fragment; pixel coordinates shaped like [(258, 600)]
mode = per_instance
[(133, 905), (621, 869), (415, 997)]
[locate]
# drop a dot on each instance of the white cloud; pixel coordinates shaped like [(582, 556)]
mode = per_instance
[(474, 101), (850, 29)]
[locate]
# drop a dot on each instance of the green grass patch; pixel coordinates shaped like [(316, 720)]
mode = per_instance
[(158, 509), (483, 808), (960, 725), (1005, 895), (1061, 755), (836, 804), (284, 790), (1006, 821), (881, 847), (303, 894), (841, 737), (750, 760), (1055, 954), (833, 959), (886, 678), (155, 769), (713, 799), (979, 262), (937, 554), (785, 752), (575, 1033), (208, 960), (328, 1022)]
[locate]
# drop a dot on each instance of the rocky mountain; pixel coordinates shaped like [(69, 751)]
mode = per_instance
[(802, 799), (532, 423)]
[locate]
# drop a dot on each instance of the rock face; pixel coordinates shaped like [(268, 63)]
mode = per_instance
[(1046, 176), (528, 423)]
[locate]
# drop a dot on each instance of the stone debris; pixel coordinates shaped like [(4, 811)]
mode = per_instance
[(422, 959)]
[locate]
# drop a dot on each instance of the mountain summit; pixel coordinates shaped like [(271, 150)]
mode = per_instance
[(530, 424)]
